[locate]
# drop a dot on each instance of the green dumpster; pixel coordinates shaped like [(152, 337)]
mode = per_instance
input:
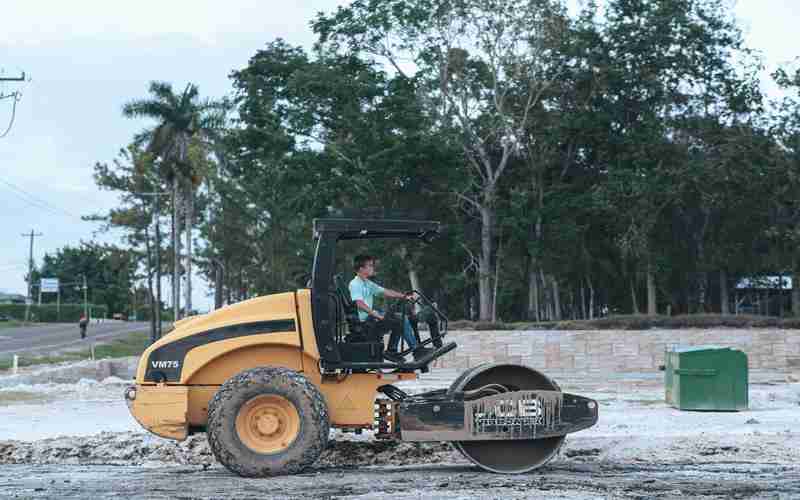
[(708, 378)]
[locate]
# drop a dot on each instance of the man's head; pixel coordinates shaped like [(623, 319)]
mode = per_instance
[(364, 265)]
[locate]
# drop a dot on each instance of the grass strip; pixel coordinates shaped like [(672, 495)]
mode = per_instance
[(130, 345)]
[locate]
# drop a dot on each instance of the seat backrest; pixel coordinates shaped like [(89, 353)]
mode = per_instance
[(344, 292), (350, 309)]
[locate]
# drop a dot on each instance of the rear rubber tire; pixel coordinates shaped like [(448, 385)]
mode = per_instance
[(303, 451)]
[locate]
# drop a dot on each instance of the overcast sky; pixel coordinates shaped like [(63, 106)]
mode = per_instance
[(87, 58)]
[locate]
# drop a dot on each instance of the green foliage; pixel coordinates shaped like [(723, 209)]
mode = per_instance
[(569, 156), (136, 177), (182, 117), (108, 270), (314, 132), (177, 154)]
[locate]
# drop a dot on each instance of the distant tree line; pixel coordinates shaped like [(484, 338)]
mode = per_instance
[(584, 164), (109, 273)]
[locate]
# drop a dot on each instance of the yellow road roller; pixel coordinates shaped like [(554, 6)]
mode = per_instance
[(266, 379)]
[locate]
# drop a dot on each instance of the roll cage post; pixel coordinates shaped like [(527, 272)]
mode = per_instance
[(328, 232)]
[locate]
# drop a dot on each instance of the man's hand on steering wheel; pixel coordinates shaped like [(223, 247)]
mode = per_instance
[(412, 296)]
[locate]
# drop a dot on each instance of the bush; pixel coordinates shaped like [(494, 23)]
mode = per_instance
[(461, 324), (143, 314), (488, 325), (730, 321), (704, 321), (569, 325), (526, 325), (790, 323)]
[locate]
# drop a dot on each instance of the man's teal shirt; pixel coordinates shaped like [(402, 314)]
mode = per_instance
[(361, 289)]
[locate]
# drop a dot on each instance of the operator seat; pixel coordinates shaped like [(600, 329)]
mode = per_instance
[(356, 328), (364, 342)]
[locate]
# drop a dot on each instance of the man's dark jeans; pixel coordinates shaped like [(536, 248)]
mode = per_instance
[(397, 326)]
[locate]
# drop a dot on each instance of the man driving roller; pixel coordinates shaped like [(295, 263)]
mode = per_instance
[(363, 291)]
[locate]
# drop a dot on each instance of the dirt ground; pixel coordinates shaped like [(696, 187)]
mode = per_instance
[(587, 468), (640, 448)]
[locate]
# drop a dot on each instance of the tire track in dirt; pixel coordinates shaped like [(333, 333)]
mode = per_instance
[(620, 480)]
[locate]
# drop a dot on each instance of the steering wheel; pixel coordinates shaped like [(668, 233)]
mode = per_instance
[(428, 314)]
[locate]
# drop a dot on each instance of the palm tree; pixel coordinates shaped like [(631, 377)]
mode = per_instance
[(181, 120)]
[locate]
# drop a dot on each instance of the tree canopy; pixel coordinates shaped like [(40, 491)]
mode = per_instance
[(584, 163)]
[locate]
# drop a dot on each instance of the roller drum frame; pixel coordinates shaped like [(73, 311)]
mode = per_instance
[(504, 418)]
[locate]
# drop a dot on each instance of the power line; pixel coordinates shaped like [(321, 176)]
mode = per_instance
[(30, 201), (37, 202), (33, 202), (15, 97), (9, 267)]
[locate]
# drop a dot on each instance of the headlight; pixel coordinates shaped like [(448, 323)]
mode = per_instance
[(130, 393)]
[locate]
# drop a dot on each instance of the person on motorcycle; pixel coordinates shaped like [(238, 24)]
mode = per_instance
[(84, 321)]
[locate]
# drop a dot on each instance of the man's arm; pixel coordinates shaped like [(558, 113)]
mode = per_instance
[(392, 294), (357, 296), (398, 295), (364, 307)]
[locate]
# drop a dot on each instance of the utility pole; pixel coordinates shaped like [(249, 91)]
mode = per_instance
[(158, 265), (176, 249), (188, 212), (156, 212), (32, 235), (85, 298)]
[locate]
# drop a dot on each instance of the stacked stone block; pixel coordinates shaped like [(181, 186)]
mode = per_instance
[(602, 353)]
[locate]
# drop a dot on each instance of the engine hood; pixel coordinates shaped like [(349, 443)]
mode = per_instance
[(266, 314)]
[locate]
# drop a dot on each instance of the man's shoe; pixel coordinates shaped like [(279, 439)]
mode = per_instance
[(394, 356), (421, 352)]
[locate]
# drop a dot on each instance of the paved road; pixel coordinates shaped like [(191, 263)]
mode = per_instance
[(57, 336)]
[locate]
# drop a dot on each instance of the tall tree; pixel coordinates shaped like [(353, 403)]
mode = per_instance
[(323, 130), (669, 68), (181, 119), (133, 176), (485, 67), (786, 128)]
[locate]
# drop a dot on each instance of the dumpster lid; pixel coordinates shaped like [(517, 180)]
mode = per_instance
[(695, 348)]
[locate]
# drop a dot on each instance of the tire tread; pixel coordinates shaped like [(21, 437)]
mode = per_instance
[(221, 424)]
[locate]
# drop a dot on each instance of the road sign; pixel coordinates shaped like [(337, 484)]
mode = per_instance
[(49, 285)]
